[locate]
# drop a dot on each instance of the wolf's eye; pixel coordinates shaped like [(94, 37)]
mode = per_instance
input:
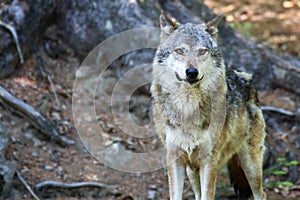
[(179, 51), (202, 51)]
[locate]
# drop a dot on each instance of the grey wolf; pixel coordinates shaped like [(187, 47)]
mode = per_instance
[(205, 114)]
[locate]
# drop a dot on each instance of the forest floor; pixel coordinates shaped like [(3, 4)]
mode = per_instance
[(273, 24)]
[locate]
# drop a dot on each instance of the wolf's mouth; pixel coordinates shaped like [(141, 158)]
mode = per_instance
[(188, 80), (178, 77)]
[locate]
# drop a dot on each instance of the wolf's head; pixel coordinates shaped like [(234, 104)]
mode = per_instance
[(189, 53)]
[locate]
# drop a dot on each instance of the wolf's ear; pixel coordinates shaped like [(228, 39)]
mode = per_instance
[(167, 25), (211, 26)]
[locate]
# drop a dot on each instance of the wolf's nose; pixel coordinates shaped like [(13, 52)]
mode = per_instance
[(191, 72)]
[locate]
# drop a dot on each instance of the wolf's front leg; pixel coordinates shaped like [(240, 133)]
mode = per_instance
[(176, 179), (195, 181), (208, 175)]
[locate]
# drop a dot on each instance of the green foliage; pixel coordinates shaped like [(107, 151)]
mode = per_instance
[(293, 162), (280, 185), (244, 27), (277, 168), (278, 172)]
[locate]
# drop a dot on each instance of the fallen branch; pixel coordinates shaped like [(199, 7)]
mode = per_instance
[(47, 184), (279, 110), (44, 125), (13, 31), (27, 186)]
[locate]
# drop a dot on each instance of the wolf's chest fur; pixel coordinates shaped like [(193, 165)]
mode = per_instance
[(188, 115), (186, 108)]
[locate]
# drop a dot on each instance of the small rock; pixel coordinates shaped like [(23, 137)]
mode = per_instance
[(116, 139), (153, 187), (102, 124), (111, 126), (28, 136), (48, 167), (34, 154), (108, 25), (288, 4), (151, 194), (73, 152), (24, 170), (37, 142), (59, 171), (56, 115), (14, 139)]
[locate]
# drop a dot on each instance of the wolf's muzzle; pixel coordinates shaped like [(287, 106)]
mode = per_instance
[(191, 75)]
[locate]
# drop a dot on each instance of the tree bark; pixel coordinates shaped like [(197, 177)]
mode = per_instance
[(31, 18), (7, 168)]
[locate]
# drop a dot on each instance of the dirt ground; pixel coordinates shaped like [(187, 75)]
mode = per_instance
[(273, 23)]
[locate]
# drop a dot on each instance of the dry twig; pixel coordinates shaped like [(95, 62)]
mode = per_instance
[(58, 107), (27, 186), (279, 110), (13, 31), (72, 185)]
